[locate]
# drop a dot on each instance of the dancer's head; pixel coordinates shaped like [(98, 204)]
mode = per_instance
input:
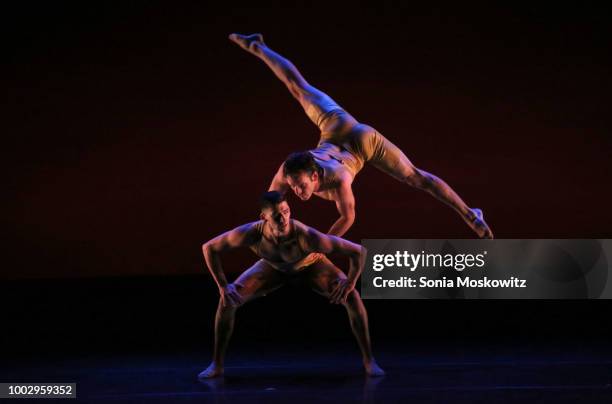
[(303, 174), (275, 210)]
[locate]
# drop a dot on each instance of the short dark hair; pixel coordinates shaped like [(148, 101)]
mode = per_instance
[(301, 161), (271, 199)]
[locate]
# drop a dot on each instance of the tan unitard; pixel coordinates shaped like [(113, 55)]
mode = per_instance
[(351, 143)]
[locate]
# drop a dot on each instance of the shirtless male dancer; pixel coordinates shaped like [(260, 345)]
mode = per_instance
[(344, 147), (283, 245)]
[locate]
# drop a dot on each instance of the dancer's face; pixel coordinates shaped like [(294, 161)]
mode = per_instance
[(277, 217), (304, 184)]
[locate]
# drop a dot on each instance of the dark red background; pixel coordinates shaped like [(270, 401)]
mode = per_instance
[(134, 132)]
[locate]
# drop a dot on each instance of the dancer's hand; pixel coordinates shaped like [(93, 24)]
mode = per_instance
[(230, 296), (340, 293)]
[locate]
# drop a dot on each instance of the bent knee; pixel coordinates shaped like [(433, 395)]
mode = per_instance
[(326, 285), (245, 297), (303, 91), (418, 178), (352, 298), (228, 308)]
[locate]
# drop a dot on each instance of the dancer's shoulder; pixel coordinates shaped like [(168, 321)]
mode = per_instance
[(299, 226), (301, 229), (304, 231), (252, 230)]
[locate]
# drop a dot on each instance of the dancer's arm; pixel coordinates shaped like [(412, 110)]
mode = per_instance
[(241, 236), (345, 203), (326, 244), (279, 183)]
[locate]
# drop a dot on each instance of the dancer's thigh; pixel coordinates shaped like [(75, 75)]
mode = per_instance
[(259, 280), (378, 151), (324, 112), (323, 276)]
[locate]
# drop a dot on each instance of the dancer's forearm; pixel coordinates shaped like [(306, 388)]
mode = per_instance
[(214, 266), (341, 226), (356, 266)]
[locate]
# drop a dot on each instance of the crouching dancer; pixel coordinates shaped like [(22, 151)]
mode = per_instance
[(285, 246)]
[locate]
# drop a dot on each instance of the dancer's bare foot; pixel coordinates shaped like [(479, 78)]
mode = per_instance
[(247, 42), (372, 369), (213, 370), (477, 223)]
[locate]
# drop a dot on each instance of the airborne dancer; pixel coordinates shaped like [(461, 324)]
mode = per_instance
[(345, 146)]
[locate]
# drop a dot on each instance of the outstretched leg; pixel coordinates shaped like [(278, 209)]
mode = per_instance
[(435, 186), (259, 280), (387, 157), (322, 277), (316, 103)]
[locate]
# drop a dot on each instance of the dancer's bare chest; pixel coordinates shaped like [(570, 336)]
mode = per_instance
[(284, 252)]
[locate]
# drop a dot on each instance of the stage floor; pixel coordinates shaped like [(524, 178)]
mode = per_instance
[(279, 374)]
